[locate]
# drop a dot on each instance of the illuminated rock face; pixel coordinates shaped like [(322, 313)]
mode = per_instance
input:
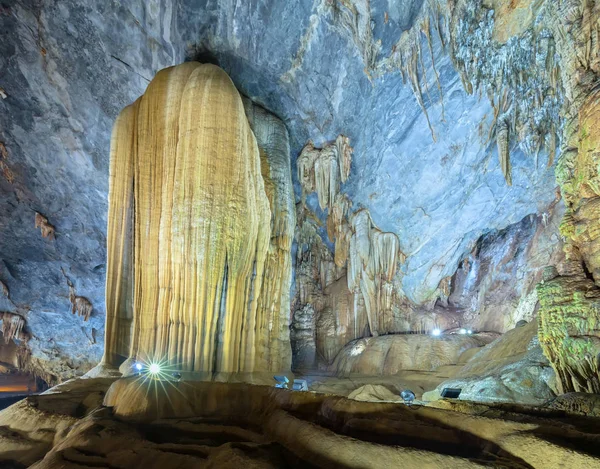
[(199, 229)]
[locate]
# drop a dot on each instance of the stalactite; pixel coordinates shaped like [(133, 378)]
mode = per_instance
[(342, 244), (384, 254), (502, 140), (344, 153), (372, 262), (210, 259), (361, 226), (426, 28), (79, 304), (327, 173), (322, 170), (337, 215), (306, 167), (4, 289), (12, 326), (520, 73)]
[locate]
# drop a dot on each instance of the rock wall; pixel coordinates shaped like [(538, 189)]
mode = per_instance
[(427, 163), (201, 282)]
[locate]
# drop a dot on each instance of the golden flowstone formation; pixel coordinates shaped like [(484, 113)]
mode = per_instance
[(198, 265)]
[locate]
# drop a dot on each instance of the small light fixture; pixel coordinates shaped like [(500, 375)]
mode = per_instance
[(154, 368), (408, 396), (451, 393), (462, 331), (138, 366), (436, 332), (469, 331)]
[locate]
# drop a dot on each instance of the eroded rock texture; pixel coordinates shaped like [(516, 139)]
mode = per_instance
[(199, 262)]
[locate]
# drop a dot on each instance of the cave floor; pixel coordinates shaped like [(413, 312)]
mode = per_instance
[(417, 381), (128, 423)]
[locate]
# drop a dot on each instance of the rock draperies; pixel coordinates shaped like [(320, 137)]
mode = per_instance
[(192, 243), (322, 170), (353, 292), (371, 256)]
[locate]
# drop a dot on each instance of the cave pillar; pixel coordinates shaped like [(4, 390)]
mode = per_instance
[(200, 229), (569, 315)]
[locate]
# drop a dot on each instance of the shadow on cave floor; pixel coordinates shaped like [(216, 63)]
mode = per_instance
[(395, 426)]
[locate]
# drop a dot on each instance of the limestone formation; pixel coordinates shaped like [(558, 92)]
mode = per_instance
[(274, 300), (66, 84), (388, 355), (323, 170), (569, 318), (369, 257), (512, 368), (12, 326), (199, 229), (79, 304), (568, 303)]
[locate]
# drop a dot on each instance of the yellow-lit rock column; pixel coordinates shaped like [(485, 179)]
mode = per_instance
[(186, 160)]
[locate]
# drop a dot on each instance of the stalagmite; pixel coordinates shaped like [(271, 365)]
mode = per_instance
[(199, 283), (119, 269), (273, 335)]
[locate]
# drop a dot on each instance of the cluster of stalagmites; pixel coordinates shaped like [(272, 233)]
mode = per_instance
[(201, 222)]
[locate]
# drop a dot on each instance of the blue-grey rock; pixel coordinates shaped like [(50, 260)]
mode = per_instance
[(68, 67)]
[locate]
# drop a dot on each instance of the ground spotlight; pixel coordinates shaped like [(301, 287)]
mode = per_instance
[(469, 331), (408, 396), (154, 368), (462, 331), (436, 332), (138, 366)]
